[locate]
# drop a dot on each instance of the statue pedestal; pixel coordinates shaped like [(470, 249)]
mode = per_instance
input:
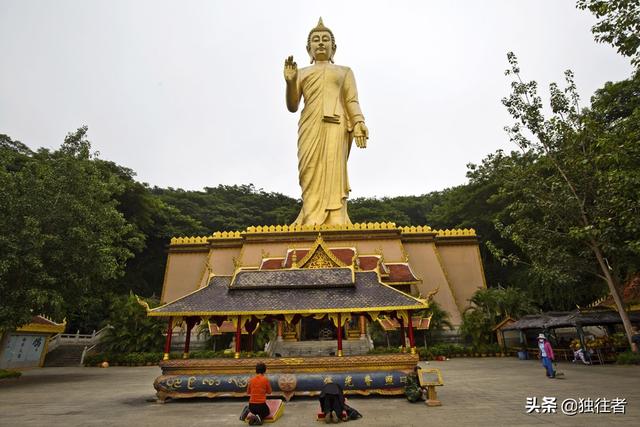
[(384, 374)]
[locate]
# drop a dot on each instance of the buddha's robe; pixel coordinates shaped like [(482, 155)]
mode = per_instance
[(331, 109)]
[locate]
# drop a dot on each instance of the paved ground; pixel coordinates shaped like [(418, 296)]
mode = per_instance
[(478, 392)]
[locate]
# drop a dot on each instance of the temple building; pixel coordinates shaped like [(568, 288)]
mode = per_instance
[(314, 284), (417, 261), (26, 347)]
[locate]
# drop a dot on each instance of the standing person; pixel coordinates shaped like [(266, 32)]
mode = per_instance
[(635, 339), (258, 389), (546, 355)]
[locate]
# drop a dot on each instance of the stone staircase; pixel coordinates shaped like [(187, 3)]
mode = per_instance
[(65, 355), (319, 348)]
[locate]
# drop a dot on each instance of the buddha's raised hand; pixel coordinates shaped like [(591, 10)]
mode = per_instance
[(290, 69)]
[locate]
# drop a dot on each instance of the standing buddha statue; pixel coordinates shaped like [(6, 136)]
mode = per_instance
[(330, 120)]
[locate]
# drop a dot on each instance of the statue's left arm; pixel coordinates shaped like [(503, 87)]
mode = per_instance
[(352, 107)]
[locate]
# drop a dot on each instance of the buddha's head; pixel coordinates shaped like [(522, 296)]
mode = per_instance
[(321, 44)]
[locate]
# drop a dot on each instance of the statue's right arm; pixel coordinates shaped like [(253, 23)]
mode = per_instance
[(293, 88)]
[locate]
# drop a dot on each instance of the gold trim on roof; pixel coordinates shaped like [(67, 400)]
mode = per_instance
[(193, 240), (456, 232), (143, 303), (320, 256), (293, 228), (288, 312), (226, 235), (419, 229), (42, 327)]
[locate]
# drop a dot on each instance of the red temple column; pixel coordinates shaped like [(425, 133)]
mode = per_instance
[(238, 337), (279, 337), (363, 326), (402, 336), (412, 341), (167, 343), (339, 335), (187, 340)]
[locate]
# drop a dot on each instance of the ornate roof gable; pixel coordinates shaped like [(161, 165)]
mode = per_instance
[(320, 256)]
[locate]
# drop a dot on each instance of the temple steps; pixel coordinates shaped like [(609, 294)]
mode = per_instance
[(65, 355), (319, 348)]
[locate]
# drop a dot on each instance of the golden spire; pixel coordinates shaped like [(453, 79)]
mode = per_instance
[(320, 25)]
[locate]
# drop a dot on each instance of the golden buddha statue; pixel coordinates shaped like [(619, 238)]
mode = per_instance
[(330, 120)]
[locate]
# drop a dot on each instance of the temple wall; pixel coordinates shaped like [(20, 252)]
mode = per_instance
[(182, 274), (221, 261), (253, 252), (464, 269), (425, 262), (390, 248)]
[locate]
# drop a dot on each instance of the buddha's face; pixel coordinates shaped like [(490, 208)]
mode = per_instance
[(320, 46)]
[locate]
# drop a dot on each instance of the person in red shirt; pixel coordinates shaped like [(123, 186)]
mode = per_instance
[(257, 389)]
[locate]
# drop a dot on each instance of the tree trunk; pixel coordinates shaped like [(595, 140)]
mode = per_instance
[(613, 289)]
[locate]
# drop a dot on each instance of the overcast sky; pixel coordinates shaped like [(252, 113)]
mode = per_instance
[(190, 94)]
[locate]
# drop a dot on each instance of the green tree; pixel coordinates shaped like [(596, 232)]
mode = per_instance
[(488, 308), (618, 25), (439, 320), (573, 201), (62, 238), (130, 329), (476, 326), (231, 207)]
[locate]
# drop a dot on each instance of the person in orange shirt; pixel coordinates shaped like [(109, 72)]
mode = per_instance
[(257, 389)]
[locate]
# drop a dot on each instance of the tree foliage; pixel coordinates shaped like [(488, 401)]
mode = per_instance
[(618, 25), (488, 308), (130, 329), (61, 235), (572, 193), (231, 207)]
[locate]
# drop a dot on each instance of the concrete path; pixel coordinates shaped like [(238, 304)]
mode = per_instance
[(477, 392)]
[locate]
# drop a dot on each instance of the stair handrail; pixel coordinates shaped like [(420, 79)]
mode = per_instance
[(96, 338), (53, 342), (90, 340)]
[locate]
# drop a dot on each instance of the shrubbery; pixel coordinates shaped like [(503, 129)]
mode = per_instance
[(4, 373), (384, 350), (141, 359), (445, 350), (628, 358)]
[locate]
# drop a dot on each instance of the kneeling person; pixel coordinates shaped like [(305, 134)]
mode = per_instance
[(332, 402), (258, 389)]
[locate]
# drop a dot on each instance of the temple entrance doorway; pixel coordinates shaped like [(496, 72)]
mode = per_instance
[(314, 329)]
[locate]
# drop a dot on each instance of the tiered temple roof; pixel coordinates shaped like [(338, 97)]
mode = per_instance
[(314, 280), (292, 294)]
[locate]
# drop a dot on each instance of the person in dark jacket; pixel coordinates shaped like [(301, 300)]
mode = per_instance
[(635, 338), (331, 401)]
